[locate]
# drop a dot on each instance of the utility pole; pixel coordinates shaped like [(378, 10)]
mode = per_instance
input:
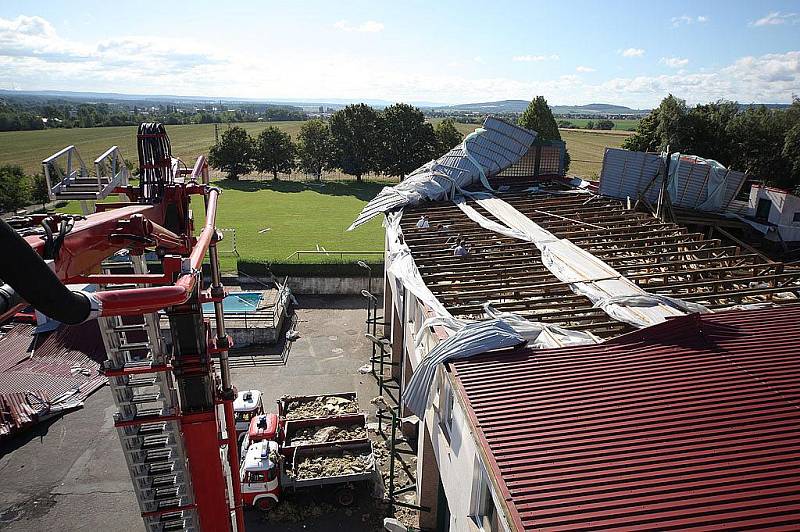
[(216, 133)]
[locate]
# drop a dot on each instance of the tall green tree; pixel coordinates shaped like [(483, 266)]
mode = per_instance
[(314, 146), (233, 154), (13, 187), (758, 135), (539, 118), (274, 152), (39, 193), (447, 136), (355, 133), (407, 141)]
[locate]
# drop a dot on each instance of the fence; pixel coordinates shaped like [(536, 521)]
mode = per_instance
[(341, 254)]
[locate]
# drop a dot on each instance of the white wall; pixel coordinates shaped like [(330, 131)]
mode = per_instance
[(784, 207), (457, 460)]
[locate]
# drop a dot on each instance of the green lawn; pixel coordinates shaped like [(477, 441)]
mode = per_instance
[(275, 219), (28, 148)]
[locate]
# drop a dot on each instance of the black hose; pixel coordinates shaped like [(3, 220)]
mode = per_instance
[(33, 280), (155, 160)]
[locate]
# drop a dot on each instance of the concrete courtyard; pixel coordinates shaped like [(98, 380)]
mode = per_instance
[(70, 473)]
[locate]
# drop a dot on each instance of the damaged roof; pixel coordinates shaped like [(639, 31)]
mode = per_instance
[(660, 257), (47, 373), (686, 425)]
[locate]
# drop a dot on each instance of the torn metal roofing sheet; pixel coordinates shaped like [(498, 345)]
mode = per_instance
[(630, 173), (686, 425), (62, 365), (21, 410), (486, 152)]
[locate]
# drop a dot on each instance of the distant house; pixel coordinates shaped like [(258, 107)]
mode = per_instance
[(774, 212)]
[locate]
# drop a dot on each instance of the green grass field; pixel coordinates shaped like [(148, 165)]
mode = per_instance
[(272, 219), (586, 149), (28, 148), (619, 125)]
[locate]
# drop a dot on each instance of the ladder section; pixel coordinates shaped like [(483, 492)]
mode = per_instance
[(147, 420)]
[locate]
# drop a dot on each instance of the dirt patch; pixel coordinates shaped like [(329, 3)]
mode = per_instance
[(322, 406), (347, 463), (330, 433), (32, 508)]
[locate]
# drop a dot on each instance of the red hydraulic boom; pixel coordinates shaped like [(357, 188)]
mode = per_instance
[(51, 251)]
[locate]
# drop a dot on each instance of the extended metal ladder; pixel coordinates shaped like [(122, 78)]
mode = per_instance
[(147, 420)]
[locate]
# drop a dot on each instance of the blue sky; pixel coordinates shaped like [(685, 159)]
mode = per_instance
[(629, 53)]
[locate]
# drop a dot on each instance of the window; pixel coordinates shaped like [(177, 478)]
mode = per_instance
[(483, 511), (796, 217), (446, 407)]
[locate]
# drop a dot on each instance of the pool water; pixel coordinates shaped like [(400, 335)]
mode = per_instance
[(236, 302)]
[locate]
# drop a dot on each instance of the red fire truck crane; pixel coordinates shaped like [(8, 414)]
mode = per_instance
[(176, 416)]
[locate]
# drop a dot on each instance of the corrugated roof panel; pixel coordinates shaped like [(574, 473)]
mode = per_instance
[(20, 410), (627, 173), (691, 424), (498, 146)]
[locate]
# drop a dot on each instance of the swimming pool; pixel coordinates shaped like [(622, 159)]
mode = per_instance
[(236, 303)]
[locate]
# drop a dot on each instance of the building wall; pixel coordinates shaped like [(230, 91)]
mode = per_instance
[(453, 457), (458, 460)]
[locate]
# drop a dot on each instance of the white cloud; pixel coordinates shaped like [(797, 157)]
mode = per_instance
[(777, 18), (687, 20), (34, 56), (370, 26), (674, 62), (478, 59), (582, 68), (534, 58), (632, 52)]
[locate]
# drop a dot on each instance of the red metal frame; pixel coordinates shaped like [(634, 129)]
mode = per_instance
[(133, 225)]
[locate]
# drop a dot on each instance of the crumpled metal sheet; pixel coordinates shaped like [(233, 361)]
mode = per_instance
[(484, 153)]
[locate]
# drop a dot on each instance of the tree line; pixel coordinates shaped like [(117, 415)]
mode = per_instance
[(33, 116), (759, 140), (602, 124), (357, 140)]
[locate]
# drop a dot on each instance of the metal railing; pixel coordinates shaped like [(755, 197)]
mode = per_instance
[(112, 165), (74, 168), (341, 254)]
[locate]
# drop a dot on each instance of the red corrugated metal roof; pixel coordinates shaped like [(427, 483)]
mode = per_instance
[(41, 365), (20, 410), (691, 424)]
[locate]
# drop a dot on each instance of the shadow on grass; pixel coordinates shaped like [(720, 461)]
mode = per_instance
[(365, 191)]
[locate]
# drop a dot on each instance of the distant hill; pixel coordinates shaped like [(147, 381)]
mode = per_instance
[(95, 97), (518, 106)]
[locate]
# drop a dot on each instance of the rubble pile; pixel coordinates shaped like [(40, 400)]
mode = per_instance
[(322, 406), (299, 512), (330, 433), (347, 463)]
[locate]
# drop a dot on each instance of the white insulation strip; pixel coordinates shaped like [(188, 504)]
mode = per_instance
[(501, 330), (402, 270), (586, 274)]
